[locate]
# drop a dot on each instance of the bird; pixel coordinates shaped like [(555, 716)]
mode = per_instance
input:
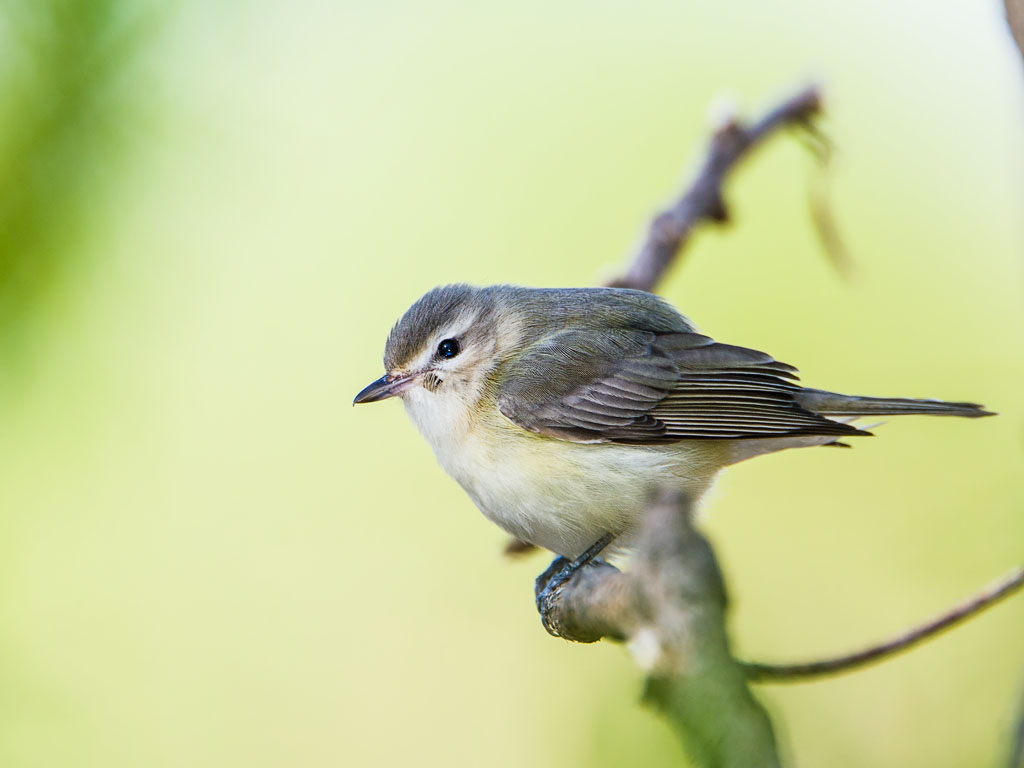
[(562, 411)]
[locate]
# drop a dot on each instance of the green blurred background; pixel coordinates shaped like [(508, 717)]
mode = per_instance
[(212, 214)]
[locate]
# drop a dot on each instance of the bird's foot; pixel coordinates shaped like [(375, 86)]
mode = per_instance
[(557, 575)]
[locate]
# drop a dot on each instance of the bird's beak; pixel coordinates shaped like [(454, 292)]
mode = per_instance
[(386, 386)]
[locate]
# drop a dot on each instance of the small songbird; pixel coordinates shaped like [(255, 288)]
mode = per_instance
[(561, 411)]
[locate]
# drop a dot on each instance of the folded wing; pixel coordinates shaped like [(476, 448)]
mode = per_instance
[(645, 388)]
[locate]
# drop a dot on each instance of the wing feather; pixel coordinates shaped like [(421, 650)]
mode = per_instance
[(639, 387)]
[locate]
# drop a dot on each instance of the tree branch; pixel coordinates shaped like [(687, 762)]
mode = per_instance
[(1015, 18), (782, 673), (670, 607), (670, 229)]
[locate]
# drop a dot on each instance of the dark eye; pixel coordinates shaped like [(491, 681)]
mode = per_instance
[(448, 348)]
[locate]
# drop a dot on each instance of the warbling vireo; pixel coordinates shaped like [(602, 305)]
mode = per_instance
[(560, 411)]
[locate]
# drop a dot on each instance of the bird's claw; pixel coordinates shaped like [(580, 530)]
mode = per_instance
[(548, 585)]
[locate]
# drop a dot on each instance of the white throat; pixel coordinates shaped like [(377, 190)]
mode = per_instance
[(443, 418)]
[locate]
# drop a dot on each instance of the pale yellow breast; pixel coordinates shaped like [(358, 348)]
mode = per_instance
[(554, 493)]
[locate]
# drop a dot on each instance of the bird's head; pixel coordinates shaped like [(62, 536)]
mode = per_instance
[(444, 346)]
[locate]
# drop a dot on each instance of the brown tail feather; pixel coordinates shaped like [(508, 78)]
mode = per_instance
[(835, 404)]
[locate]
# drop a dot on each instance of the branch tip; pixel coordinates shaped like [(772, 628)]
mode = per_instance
[(987, 597), (731, 140)]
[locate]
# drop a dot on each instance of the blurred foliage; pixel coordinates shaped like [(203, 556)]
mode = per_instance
[(65, 90)]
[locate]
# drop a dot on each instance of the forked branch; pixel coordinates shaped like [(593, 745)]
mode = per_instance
[(670, 606), (600, 605)]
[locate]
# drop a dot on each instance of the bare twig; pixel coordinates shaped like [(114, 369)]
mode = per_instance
[(783, 673), (670, 607), (1015, 18), (670, 229), (820, 200)]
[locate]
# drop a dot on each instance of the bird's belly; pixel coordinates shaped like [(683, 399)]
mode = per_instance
[(564, 496)]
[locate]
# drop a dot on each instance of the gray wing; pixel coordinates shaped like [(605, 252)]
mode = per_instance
[(640, 387)]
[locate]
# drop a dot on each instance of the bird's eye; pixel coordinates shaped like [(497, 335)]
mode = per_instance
[(448, 348)]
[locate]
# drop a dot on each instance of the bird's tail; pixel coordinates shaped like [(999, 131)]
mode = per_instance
[(835, 404)]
